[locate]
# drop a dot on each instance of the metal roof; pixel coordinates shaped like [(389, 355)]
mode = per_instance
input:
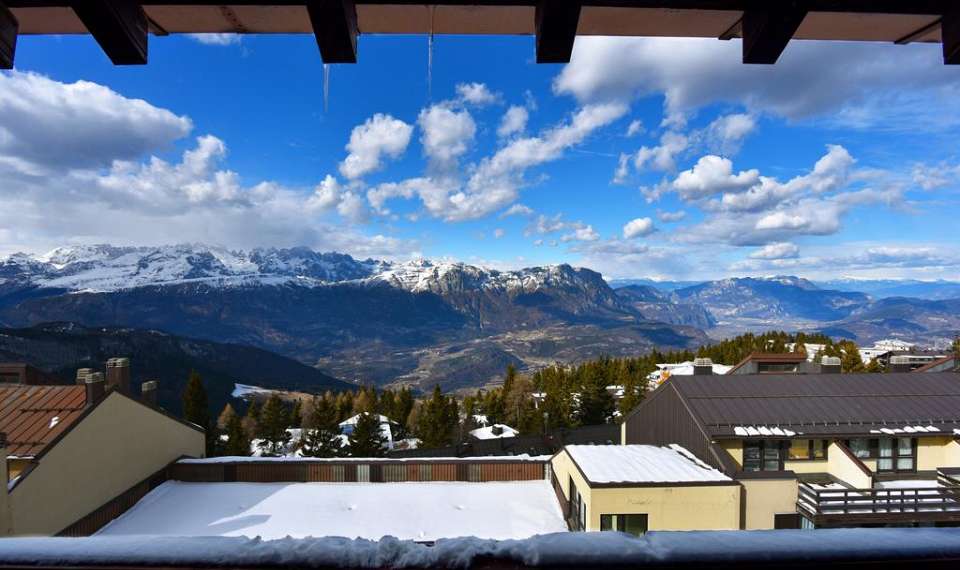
[(828, 404), (33, 417)]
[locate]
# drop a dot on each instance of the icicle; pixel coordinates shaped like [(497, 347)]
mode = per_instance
[(326, 86)]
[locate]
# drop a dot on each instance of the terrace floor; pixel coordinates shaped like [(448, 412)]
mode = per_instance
[(422, 512)]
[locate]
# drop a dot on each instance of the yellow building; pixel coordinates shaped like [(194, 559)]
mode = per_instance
[(636, 488), (818, 450), (70, 449)]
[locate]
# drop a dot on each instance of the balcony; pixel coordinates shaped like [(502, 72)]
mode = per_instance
[(895, 502)]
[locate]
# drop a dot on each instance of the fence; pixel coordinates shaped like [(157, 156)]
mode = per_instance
[(386, 471)]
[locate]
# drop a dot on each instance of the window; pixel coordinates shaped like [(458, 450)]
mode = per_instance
[(763, 455), (807, 449), (578, 510), (819, 448), (632, 524), (863, 448), (897, 454), (800, 449)]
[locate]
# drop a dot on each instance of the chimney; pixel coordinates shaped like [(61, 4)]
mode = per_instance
[(95, 388), (82, 374), (830, 365), (702, 367), (118, 374), (899, 364), (148, 393)]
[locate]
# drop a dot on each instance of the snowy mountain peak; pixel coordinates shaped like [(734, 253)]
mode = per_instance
[(106, 268)]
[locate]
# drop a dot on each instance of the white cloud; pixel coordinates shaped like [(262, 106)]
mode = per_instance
[(865, 82), (514, 121), (782, 250), (446, 135), (726, 134), (713, 175), (194, 199), (495, 181), (216, 39), (637, 228), (380, 136), (635, 128), (871, 261), (583, 233), (662, 157), (476, 94), (326, 195), (46, 124), (667, 217), (517, 210), (623, 169)]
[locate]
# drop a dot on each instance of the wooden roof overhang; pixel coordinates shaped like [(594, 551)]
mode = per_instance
[(121, 26)]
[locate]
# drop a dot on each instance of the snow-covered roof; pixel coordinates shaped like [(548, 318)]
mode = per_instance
[(408, 511), (489, 432), (352, 421), (245, 459), (641, 464)]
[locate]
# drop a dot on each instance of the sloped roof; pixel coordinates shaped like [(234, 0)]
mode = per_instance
[(834, 404), (33, 417)]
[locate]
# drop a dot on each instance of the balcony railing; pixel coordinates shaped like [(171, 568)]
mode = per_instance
[(914, 503)]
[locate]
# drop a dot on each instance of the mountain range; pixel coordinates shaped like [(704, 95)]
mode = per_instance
[(418, 322), (422, 322)]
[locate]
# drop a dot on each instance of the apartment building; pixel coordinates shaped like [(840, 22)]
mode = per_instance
[(71, 448), (818, 450)]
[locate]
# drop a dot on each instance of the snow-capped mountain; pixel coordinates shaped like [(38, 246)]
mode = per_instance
[(105, 268), (361, 320)]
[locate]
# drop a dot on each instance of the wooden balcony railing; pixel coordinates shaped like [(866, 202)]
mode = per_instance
[(928, 501)]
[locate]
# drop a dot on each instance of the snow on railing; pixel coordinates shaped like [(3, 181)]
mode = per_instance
[(920, 547)]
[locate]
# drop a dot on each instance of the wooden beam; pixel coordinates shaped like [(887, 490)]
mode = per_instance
[(8, 37), (119, 26), (767, 30), (950, 35), (335, 27), (556, 26)]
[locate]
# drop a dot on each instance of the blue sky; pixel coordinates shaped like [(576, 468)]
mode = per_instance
[(642, 158)]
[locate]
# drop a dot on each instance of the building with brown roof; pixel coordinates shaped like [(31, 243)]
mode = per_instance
[(70, 449), (819, 450)]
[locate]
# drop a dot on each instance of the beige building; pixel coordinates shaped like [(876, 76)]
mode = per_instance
[(71, 449), (636, 488), (818, 450)]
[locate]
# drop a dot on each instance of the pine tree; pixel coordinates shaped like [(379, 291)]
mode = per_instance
[(225, 416), (238, 442), (296, 415), (366, 439), (321, 432), (437, 420), (596, 404), (274, 420), (196, 409)]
